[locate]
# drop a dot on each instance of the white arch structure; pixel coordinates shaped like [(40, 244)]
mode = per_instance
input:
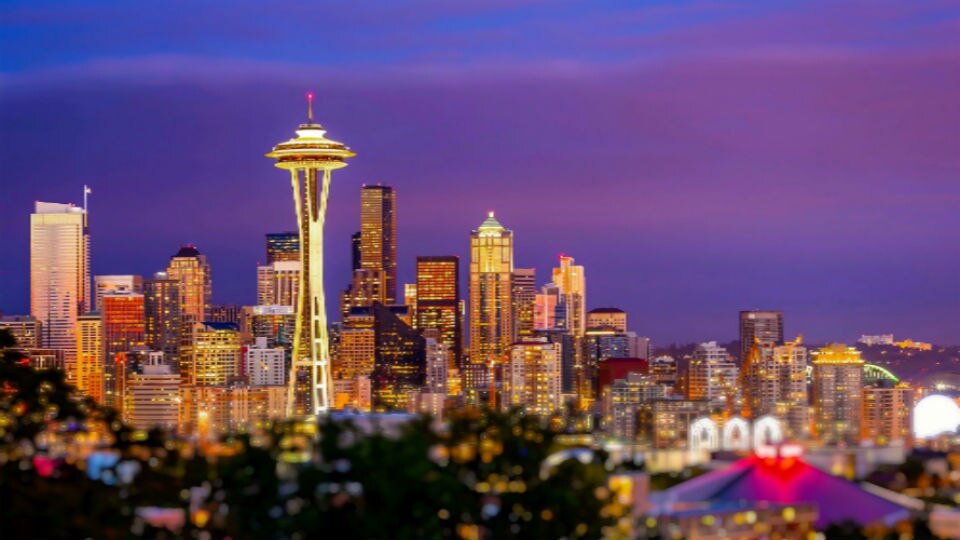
[(704, 435), (736, 434), (767, 430)]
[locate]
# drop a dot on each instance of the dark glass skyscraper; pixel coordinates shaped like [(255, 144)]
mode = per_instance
[(161, 297), (283, 246), (762, 326)]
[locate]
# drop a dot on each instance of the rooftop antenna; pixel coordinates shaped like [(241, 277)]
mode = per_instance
[(309, 107), (86, 191)]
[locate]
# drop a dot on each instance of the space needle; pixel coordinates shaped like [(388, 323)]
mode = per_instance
[(311, 159)]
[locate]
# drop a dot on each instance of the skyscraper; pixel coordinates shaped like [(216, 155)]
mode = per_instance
[(531, 377), (278, 283), (114, 284), (88, 374), (378, 238), (491, 290), (190, 268), (283, 246), (837, 394), (210, 354), (438, 301), (162, 319), (572, 283), (887, 414), (399, 367), (609, 317), (311, 159), (123, 330), (524, 301), (712, 375), (59, 273), (759, 326)]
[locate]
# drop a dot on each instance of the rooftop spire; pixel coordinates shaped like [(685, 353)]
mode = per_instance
[(309, 107)]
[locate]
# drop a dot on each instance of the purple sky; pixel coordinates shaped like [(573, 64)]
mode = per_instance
[(697, 157)]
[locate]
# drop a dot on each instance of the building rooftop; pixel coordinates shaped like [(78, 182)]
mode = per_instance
[(606, 310), (188, 250)]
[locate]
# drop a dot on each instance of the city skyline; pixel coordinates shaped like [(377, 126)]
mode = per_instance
[(786, 188)]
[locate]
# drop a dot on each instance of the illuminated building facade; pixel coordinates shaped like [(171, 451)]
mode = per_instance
[(378, 239), (666, 423), (162, 318), (210, 354), (837, 394), (264, 365), (88, 371), (123, 330), (121, 284), (664, 370), (622, 400), (275, 323), (887, 414), (59, 273), (438, 301), (572, 283), (759, 326), (152, 395), (399, 368), (491, 305), (531, 378), (524, 301), (774, 382), (283, 246), (712, 374), (27, 330), (356, 352), (545, 307), (278, 283), (190, 268), (310, 158), (613, 318)]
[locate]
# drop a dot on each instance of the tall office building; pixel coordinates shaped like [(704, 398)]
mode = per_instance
[(837, 394), (114, 284), (774, 382), (310, 158), (123, 330), (399, 368), (759, 326), (210, 354), (712, 374), (283, 246), (162, 319), (531, 378), (278, 283), (190, 268), (59, 273), (355, 257), (491, 290), (378, 238), (524, 301), (438, 301), (88, 370), (572, 283)]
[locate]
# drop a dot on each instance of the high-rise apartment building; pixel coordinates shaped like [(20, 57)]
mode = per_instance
[(378, 238), (283, 246), (712, 374), (438, 301), (491, 290), (774, 382), (524, 301), (837, 394), (209, 354), (531, 378), (572, 283), (59, 273), (88, 370), (278, 283), (123, 330), (114, 284), (887, 414), (190, 268), (759, 326), (162, 318)]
